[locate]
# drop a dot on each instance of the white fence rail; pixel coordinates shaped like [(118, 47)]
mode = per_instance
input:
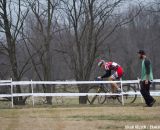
[(33, 83)]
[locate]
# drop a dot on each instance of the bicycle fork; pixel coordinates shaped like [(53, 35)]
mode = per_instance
[(98, 91)]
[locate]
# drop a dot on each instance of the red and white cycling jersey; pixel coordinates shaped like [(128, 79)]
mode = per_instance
[(111, 66), (118, 70)]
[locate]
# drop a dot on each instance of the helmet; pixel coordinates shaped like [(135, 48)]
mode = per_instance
[(100, 63)]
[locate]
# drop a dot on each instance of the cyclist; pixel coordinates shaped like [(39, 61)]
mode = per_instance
[(117, 73)]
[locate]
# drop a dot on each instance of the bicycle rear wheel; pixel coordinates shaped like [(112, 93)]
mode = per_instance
[(96, 99), (130, 95)]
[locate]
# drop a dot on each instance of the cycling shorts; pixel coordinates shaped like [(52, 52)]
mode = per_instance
[(118, 73)]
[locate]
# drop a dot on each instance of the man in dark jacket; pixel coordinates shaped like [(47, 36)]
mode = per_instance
[(146, 78)]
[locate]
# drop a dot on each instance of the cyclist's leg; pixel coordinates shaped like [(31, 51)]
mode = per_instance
[(117, 75), (114, 86)]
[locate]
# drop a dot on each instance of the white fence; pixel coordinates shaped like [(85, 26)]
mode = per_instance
[(33, 83)]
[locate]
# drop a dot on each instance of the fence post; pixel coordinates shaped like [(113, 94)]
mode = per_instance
[(122, 92), (32, 94), (12, 92)]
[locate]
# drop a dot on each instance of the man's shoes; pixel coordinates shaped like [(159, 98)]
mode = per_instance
[(151, 104)]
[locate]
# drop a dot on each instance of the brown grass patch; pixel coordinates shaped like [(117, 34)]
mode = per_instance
[(74, 118)]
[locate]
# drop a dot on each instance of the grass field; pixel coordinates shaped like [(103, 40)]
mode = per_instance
[(67, 114), (80, 118)]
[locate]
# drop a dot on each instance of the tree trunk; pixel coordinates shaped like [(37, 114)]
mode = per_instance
[(83, 89)]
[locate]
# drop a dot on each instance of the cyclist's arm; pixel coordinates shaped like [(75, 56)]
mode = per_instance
[(107, 74)]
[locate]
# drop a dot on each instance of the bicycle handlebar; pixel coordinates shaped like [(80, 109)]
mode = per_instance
[(97, 79)]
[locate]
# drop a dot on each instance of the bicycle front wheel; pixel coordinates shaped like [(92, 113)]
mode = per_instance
[(96, 99), (101, 98), (129, 95)]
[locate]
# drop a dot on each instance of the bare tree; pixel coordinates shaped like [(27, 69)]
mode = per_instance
[(11, 22), (86, 26), (44, 17), (141, 33)]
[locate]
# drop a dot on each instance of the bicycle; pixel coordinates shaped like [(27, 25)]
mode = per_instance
[(104, 88)]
